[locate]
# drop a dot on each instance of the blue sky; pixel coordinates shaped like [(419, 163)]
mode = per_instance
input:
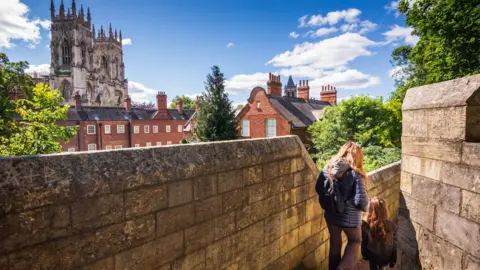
[(174, 43)]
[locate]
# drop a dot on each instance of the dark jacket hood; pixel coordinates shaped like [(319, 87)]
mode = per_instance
[(339, 167)]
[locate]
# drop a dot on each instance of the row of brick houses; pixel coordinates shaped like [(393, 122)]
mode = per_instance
[(103, 128)]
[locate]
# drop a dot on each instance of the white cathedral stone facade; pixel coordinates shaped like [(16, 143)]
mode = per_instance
[(84, 62)]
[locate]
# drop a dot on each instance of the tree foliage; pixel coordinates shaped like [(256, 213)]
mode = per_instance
[(216, 118), (367, 121), (449, 40), (37, 132), (187, 102)]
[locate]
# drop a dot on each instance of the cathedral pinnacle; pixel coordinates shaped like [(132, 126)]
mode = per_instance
[(89, 17), (93, 31), (62, 10), (52, 9), (74, 9), (120, 36), (110, 32)]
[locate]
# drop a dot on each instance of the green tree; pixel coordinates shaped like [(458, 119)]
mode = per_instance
[(368, 121), (449, 39), (12, 80), (239, 107), (216, 118), (187, 102), (37, 132)]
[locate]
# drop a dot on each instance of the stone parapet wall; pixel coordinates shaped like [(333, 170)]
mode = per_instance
[(228, 205), (439, 216)]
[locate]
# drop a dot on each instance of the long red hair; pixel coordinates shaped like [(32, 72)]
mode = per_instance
[(352, 154), (377, 217)]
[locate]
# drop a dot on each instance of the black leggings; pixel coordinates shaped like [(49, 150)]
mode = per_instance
[(350, 256)]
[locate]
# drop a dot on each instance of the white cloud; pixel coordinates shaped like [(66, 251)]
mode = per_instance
[(366, 26), (324, 31), (293, 35), (126, 41), (348, 79), (141, 93), (245, 83), (302, 71), (349, 27), (393, 6), (15, 25), (230, 44), (327, 53), (332, 18), (399, 72), (42, 69), (399, 33)]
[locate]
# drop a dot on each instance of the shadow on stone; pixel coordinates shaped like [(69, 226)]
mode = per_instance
[(408, 255)]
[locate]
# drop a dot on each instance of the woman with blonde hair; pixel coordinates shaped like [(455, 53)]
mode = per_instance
[(342, 194)]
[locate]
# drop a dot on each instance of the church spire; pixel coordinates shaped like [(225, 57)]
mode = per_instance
[(52, 9), (116, 36), (62, 10), (93, 31), (68, 14), (82, 15), (89, 17), (110, 32), (120, 36), (74, 9), (101, 32)]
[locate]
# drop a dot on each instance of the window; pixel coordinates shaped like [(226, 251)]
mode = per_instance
[(155, 129), (146, 129), (148, 144), (137, 145), (92, 147), (71, 149), (83, 52), (271, 128), (169, 142), (66, 53), (105, 64), (136, 129), (245, 128), (108, 129), (118, 147), (167, 129), (159, 143), (91, 129), (120, 129), (108, 147), (180, 128)]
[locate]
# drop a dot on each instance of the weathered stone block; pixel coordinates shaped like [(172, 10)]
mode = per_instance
[(253, 237), (301, 178), (318, 224), (316, 240), (473, 124), (208, 209), (458, 231), (180, 193), (284, 167), (224, 225), (288, 241), (152, 254), (293, 217), (273, 227), (471, 153), (420, 212), (439, 149), (234, 200), (305, 231), (288, 261), (230, 180), (205, 187), (471, 205), (436, 253), (302, 193), (255, 212), (252, 175), (286, 199), (199, 236), (270, 171), (313, 209), (263, 190), (298, 164), (175, 219), (195, 260), (286, 182), (434, 192), (471, 263), (225, 252), (147, 200), (103, 264), (95, 212), (465, 177), (422, 166), (442, 123), (406, 182), (139, 230)]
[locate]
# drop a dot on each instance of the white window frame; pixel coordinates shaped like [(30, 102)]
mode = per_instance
[(108, 129), (93, 127), (120, 129), (71, 149), (155, 129), (268, 124), (92, 146), (180, 128), (108, 147), (245, 128), (169, 143), (148, 144), (136, 129), (159, 143), (137, 145), (118, 147), (146, 129), (168, 129)]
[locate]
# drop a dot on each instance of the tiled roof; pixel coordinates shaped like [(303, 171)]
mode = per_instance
[(296, 110), (121, 114)]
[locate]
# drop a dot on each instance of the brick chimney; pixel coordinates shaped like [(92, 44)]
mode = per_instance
[(128, 103), (274, 85), (329, 94), (161, 102), (78, 100), (179, 105), (303, 90)]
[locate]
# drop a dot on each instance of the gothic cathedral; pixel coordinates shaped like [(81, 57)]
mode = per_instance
[(84, 62)]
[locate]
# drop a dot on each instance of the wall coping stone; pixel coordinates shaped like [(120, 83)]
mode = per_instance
[(453, 93)]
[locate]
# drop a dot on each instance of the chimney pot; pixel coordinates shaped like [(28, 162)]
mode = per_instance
[(128, 103), (161, 102)]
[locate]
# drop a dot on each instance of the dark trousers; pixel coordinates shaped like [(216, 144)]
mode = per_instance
[(350, 256), (374, 266)]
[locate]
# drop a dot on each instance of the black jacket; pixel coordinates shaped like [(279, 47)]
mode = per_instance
[(352, 187), (376, 251)]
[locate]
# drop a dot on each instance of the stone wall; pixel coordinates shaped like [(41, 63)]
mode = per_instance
[(439, 220)]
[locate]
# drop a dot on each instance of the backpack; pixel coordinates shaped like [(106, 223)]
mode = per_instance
[(335, 200)]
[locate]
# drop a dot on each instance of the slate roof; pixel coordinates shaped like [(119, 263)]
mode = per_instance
[(121, 114), (296, 110), (290, 82)]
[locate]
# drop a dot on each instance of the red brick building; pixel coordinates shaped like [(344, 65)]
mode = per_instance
[(269, 113), (116, 127)]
